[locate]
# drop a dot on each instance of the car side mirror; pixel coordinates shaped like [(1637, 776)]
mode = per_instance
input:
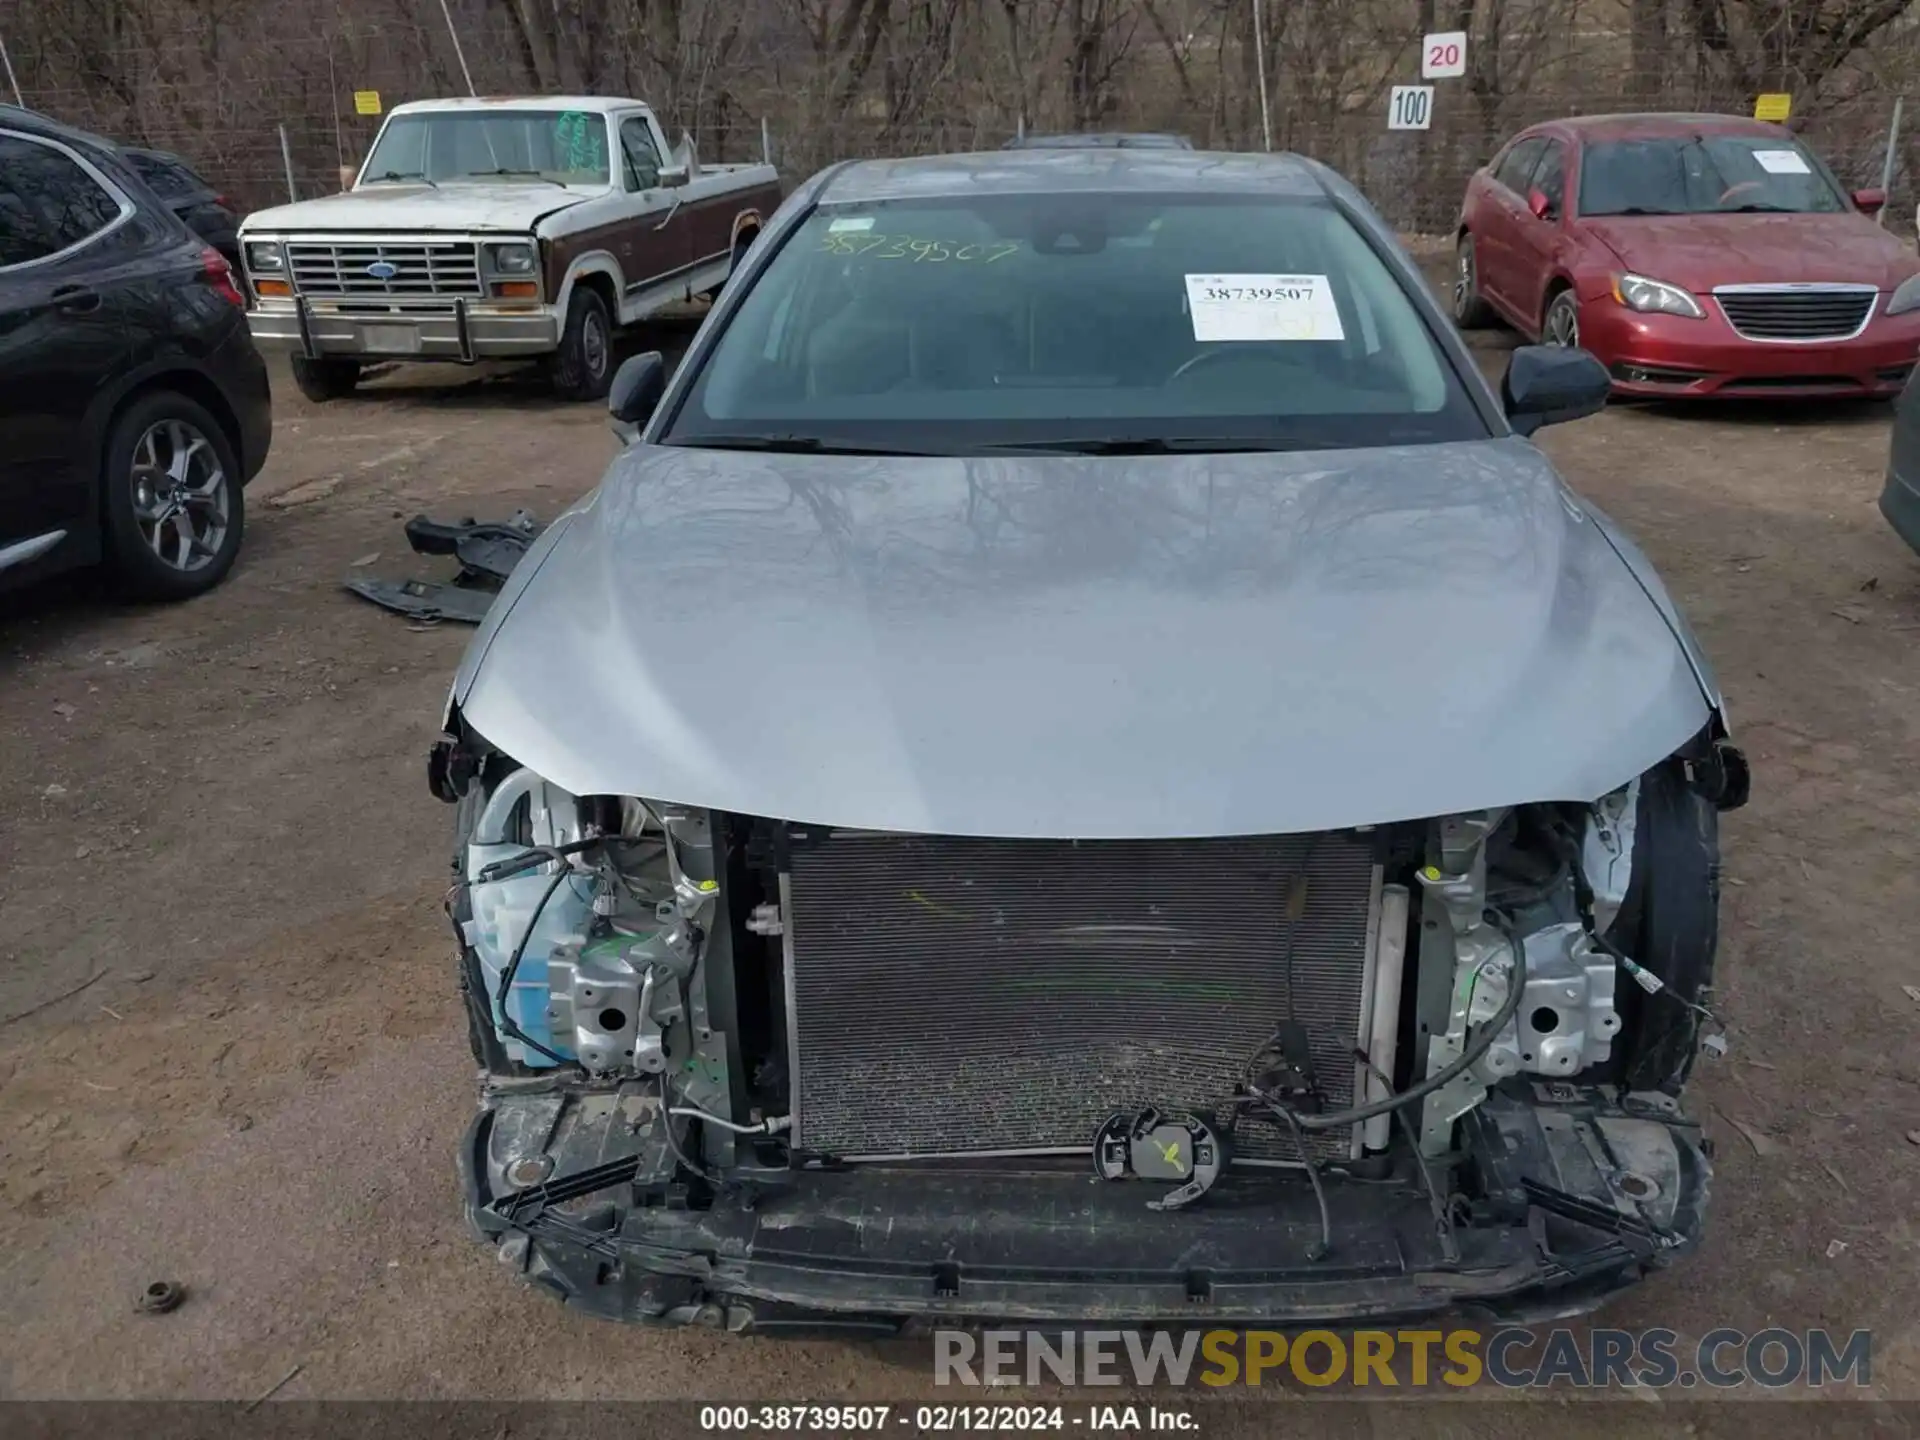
[(1870, 202), (636, 390), (673, 174), (1547, 384), (1539, 204)]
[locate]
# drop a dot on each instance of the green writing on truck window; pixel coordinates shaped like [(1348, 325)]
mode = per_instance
[(582, 140), (915, 248)]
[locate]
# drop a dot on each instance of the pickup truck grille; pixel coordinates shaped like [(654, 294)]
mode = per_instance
[(420, 267), (1814, 312)]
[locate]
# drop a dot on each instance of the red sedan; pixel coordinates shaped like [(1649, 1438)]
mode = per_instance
[(1693, 254)]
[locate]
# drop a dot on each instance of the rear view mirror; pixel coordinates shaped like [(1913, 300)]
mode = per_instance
[(1870, 202), (1548, 384), (1539, 204), (673, 174), (637, 387)]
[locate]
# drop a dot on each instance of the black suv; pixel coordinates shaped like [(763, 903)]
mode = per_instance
[(208, 213), (133, 405)]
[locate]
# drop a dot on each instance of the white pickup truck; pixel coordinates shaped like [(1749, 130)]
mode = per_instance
[(483, 229)]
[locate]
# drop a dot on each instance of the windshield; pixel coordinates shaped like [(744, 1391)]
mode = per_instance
[(1703, 175), (1077, 321), (567, 147)]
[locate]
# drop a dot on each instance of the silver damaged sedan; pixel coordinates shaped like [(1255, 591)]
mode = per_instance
[(1081, 763)]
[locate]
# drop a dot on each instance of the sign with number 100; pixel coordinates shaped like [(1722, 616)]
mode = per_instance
[(1410, 107)]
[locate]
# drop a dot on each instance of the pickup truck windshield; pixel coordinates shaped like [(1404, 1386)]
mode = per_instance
[(1095, 322), (1703, 175), (568, 147)]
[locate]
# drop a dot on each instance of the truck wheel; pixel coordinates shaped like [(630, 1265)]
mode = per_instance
[(326, 379), (582, 368)]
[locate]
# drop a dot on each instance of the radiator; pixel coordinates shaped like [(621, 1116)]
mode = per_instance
[(954, 996)]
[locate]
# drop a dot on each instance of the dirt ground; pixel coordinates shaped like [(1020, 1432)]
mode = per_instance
[(215, 817)]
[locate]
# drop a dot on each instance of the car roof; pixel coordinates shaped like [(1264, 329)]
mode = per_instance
[(592, 104), (165, 157), (32, 122), (1105, 139), (1656, 126), (1105, 170)]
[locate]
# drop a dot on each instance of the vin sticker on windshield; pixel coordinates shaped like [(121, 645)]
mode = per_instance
[(1263, 307), (849, 223), (1782, 162)]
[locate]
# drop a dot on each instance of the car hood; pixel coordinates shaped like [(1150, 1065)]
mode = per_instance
[(509, 205), (1702, 251), (1068, 647)]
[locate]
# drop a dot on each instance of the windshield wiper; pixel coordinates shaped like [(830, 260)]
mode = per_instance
[(1175, 445), (794, 445), (530, 174), (1760, 209), (815, 445), (404, 175), (1632, 210)]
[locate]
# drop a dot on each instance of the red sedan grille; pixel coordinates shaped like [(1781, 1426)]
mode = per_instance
[(1823, 312)]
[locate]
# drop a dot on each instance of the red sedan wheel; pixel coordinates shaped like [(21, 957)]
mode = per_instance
[(1562, 325)]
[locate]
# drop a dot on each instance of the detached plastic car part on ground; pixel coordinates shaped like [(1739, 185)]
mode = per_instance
[(487, 552), (1065, 772)]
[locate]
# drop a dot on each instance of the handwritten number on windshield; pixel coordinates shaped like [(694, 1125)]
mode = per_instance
[(909, 247)]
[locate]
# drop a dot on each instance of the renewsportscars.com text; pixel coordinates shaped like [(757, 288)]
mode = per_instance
[(1773, 1358)]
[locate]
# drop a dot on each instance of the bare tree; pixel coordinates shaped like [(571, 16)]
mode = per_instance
[(1792, 45), (1649, 25), (1100, 36), (1510, 43), (1178, 43), (215, 79)]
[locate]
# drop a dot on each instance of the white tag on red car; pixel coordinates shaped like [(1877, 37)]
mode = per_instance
[(1263, 307), (1782, 162)]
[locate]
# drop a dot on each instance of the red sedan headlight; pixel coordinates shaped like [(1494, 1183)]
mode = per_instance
[(1906, 298), (1655, 297)]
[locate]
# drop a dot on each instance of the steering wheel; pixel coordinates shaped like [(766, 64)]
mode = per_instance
[(1733, 190), (1205, 357)]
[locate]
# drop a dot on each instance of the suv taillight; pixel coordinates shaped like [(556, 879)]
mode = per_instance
[(219, 274)]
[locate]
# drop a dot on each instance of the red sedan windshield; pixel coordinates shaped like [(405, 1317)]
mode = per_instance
[(1703, 175)]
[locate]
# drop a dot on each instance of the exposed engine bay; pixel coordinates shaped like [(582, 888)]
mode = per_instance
[(758, 1073)]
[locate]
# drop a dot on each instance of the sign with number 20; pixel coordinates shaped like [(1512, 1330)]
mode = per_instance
[(1443, 55)]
